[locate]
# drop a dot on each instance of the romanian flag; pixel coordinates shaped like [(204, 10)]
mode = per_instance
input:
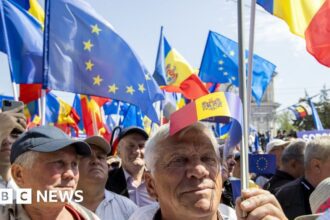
[(174, 74), (309, 19)]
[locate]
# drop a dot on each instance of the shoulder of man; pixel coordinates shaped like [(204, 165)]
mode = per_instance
[(146, 212), (290, 186), (86, 213), (124, 203)]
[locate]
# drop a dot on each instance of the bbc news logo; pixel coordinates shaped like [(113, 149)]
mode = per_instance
[(24, 196)]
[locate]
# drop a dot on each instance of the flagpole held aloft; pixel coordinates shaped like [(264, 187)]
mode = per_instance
[(250, 59), (243, 96)]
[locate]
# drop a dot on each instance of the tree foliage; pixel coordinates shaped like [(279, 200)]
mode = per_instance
[(322, 107)]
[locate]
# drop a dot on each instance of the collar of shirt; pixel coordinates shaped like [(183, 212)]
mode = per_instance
[(129, 179)]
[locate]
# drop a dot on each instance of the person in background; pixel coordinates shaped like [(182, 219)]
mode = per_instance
[(291, 167), (93, 171), (276, 147), (128, 180), (319, 201), (13, 123), (183, 175), (294, 196)]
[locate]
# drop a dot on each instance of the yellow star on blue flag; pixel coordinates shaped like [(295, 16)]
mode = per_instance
[(87, 56)]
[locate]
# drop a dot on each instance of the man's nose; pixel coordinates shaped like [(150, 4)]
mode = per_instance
[(69, 173), (197, 170)]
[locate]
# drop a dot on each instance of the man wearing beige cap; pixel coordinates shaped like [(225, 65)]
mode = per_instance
[(93, 176)]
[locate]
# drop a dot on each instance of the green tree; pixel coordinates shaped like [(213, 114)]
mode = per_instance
[(284, 121)]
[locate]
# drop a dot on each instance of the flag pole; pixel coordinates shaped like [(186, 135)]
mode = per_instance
[(118, 116), (250, 59), (243, 96), (8, 52), (45, 63), (95, 128), (43, 107)]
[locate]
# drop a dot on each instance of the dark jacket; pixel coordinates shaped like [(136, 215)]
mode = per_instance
[(117, 182), (279, 179), (294, 197)]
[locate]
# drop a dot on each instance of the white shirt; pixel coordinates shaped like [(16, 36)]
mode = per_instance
[(139, 194), (7, 185), (115, 206), (148, 212)]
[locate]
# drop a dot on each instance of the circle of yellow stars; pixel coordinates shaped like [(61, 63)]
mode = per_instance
[(260, 160), (97, 79)]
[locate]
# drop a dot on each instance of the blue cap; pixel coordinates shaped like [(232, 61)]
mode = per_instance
[(46, 139)]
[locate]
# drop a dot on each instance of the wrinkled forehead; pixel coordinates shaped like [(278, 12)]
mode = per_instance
[(189, 141)]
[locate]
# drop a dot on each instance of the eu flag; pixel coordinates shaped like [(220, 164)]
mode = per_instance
[(24, 36), (262, 163), (87, 56), (133, 117), (220, 65)]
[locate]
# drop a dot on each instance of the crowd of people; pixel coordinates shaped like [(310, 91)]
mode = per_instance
[(171, 177)]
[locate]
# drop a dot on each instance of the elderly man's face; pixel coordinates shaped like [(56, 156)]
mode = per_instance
[(131, 150), (52, 171), (187, 179), (94, 168)]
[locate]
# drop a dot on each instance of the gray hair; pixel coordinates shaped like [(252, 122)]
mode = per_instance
[(27, 159), (319, 148), (152, 145), (294, 151)]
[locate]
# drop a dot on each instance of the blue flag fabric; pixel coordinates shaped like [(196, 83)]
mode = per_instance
[(87, 56), (133, 117), (111, 107), (236, 188), (262, 163), (220, 65), (316, 118), (25, 42)]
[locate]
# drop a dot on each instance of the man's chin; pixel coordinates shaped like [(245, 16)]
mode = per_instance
[(138, 162), (204, 204)]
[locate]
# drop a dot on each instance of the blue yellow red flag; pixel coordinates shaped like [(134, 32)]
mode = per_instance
[(87, 56), (309, 19), (60, 112), (174, 74)]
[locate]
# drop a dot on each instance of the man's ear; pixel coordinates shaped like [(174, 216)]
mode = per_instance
[(150, 185), (17, 174), (315, 165)]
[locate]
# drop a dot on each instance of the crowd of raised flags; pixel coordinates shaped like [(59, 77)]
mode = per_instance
[(77, 50)]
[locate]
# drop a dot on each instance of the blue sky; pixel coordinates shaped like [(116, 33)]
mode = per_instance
[(186, 25)]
